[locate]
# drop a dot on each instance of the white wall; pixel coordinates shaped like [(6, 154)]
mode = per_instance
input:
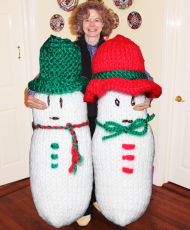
[(148, 36)]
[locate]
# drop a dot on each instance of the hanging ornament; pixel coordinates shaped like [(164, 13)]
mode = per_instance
[(57, 22), (105, 38), (68, 5), (134, 20), (123, 4), (99, 1), (116, 24)]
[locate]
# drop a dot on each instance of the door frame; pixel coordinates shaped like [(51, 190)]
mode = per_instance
[(169, 50), (31, 38)]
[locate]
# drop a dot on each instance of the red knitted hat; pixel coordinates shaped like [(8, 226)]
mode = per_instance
[(118, 65)]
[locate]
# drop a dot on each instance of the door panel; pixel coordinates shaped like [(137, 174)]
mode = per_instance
[(15, 130), (179, 169), (4, 45)]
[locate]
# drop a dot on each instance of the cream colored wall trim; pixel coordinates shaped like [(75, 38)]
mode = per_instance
[(31, 38), (31, 41), (171, 24)]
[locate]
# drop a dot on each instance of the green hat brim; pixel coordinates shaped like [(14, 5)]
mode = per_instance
[(42, 85)]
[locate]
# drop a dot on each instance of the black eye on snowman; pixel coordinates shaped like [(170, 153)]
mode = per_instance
[(48, 100), (61, 102), (133, 101), (117, 102)]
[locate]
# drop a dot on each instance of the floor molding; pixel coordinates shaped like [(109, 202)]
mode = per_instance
[(176, 188), (12, 187)]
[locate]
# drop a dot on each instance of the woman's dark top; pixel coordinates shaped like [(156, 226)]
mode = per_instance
[(87, 70)]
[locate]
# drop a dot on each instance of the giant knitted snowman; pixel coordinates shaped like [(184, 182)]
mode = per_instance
[(123, 143), (60, 153)]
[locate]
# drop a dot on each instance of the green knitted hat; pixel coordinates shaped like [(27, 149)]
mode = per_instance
[(60, 68)]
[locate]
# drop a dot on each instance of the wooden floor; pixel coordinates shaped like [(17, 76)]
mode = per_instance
[(167, 210)]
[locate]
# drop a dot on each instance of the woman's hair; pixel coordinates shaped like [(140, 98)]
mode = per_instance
[(82, 11)]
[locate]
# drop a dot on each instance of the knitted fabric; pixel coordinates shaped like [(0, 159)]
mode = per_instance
[(60, 68), (76, 157), (61, 197), (120, 74), (123, 164), (118, 129), (98, 87), (119, 65), (118, 53)]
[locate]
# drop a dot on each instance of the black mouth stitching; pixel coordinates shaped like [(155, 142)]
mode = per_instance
[(54, 118), (129, 121)]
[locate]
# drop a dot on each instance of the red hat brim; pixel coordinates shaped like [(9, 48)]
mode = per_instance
[(99, 87)]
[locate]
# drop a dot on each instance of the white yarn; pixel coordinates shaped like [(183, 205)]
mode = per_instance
[(60, 197), (122, 197)]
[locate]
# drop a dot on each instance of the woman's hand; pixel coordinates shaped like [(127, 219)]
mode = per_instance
[(142, 106), (36, 103)]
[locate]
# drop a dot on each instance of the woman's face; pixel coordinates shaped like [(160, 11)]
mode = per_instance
[(93, 25)]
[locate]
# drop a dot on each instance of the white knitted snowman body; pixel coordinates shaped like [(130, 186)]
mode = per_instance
[(59, 196), (122, 164)]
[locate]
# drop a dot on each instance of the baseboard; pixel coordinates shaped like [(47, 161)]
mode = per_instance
[(12, 187), (176, 188)]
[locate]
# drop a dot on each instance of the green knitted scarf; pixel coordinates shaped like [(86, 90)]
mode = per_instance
[(118, 129)]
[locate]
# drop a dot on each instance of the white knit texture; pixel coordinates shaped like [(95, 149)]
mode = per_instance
[(60, 197), (122, 197)]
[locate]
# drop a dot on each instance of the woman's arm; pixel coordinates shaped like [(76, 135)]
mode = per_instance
[(142, 106), (34, 102)]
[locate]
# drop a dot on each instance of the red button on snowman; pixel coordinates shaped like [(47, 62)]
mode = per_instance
[(123, 143)]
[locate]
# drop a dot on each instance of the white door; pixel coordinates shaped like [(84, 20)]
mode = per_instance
[(15, 121), (179, 168), (173, 155)]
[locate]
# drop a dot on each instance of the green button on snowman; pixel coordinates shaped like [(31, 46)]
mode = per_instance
[(123, 143), (60, 152)]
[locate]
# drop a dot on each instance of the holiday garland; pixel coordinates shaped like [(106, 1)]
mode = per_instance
[(76, 157)]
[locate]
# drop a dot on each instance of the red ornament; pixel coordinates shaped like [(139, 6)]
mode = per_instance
[(129, 3), (117, 3)]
